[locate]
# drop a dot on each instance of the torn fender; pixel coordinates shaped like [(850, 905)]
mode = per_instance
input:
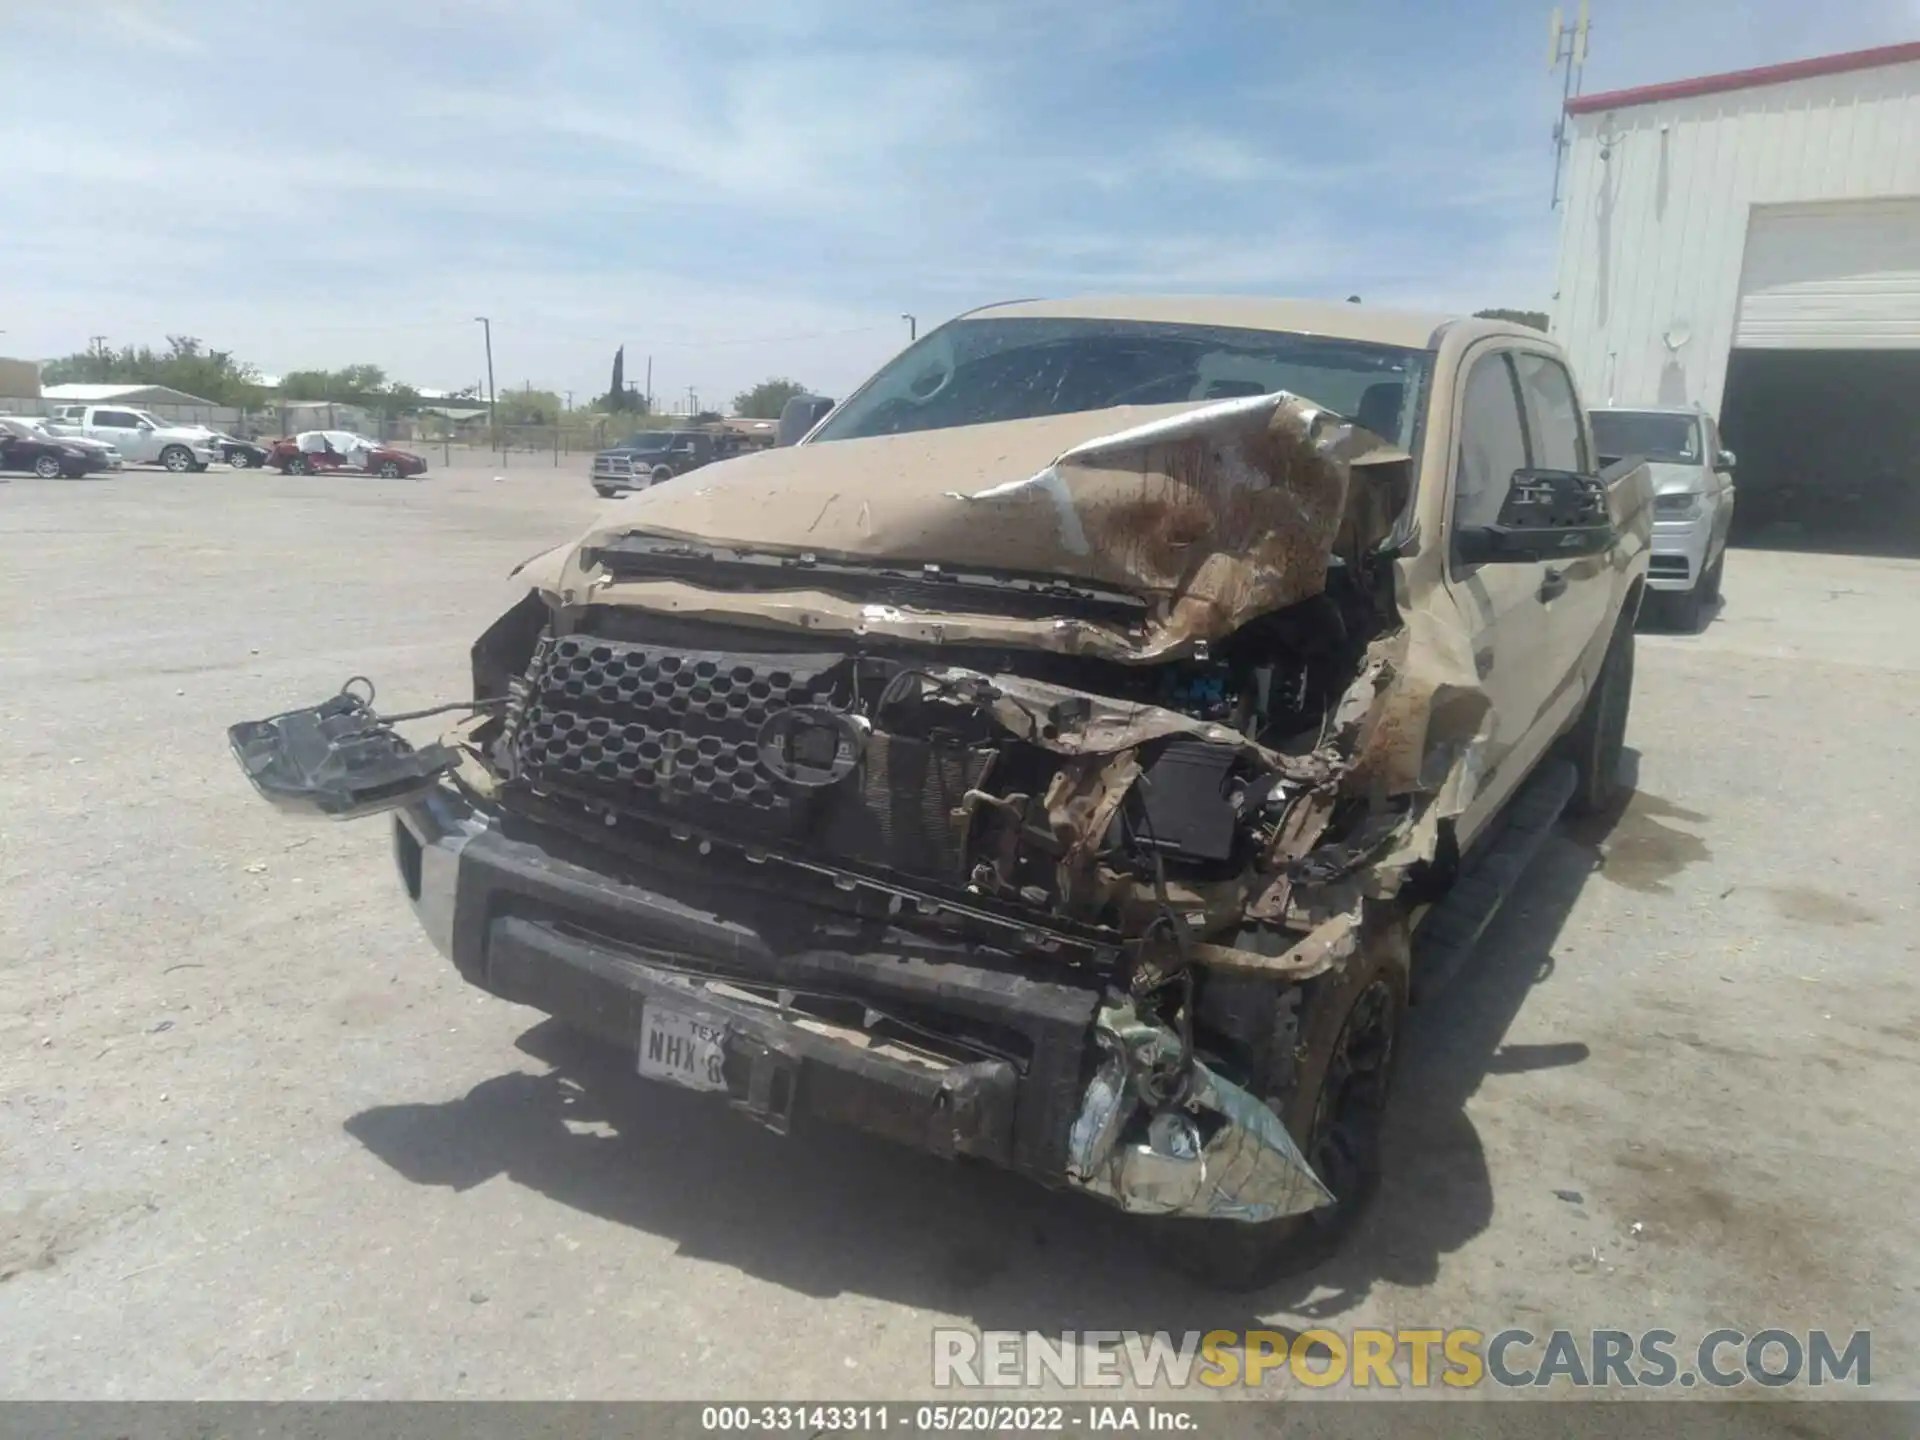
[(1214, 1153)]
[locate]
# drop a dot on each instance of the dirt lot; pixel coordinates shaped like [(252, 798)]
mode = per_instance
[(257, 1140)]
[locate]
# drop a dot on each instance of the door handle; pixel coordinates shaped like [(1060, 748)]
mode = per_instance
[(1554, 584)]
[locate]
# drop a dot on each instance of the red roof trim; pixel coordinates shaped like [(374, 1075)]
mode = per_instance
[(1746, 79)]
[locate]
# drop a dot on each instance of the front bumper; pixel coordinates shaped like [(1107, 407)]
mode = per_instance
[(594, 950), (1056, 1099), (1679, 553)]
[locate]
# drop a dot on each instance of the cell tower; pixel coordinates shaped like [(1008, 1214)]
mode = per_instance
[(1567, 53)]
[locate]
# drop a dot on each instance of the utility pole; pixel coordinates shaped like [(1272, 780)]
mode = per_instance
[(913, 328), (569, 399), (649, 384), (493, 426), (1567, 52), (693, 403)]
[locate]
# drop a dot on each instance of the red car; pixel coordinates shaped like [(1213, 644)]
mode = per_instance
[(314, 451)]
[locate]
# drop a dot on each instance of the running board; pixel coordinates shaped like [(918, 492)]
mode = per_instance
[(1451, 930)]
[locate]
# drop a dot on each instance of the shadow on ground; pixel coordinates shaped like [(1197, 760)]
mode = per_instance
[(827, 1212), (1855, 530)]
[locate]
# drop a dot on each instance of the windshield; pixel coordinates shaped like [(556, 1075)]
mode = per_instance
[(648, 440), (1648, 434), (981, 372)]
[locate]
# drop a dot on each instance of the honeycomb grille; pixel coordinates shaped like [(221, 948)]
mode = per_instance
[(642, 727)]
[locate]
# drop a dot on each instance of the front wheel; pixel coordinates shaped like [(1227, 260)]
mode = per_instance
[(47, 468), (389, 470), (177, 458), (1329, 1079), (661, 472), (239, 460)]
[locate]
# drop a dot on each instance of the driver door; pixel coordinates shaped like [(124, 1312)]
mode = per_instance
[(1504, 605)]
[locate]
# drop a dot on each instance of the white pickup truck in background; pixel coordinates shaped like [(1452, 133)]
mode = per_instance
[(140, 438)]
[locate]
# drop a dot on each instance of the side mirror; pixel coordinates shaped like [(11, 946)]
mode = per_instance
[(145, 426), (1726, 461), (1547, 515)]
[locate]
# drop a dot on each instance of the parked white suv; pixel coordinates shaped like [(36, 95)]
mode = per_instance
[(1692, 477), (139, 437)]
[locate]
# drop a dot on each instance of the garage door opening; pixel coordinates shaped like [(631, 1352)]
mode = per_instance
[(1828, 448)]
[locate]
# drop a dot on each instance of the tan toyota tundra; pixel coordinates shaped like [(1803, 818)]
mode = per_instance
[(1074, 754)]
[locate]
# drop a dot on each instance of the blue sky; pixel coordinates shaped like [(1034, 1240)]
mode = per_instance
[(745, 189)]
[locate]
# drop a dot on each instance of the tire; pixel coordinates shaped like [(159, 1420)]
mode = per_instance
[(240, 460), (1335, 1049), (1711, 580), (47, 468), (296, 465), (606, 492), (661, 472), (177, 459), (389, 470), (1598, 737)]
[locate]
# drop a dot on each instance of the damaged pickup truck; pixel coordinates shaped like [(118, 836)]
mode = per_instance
[(1074, 755)]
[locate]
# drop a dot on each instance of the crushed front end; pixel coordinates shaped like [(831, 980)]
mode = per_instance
[(1036, 901)]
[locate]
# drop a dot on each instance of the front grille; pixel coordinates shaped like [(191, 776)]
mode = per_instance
[(676, 734), (647, 728)]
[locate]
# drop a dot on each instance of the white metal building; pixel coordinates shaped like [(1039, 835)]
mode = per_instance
[(118, 394), (1750, 242)]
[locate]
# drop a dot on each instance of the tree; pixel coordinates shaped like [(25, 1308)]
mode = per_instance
[(766, 400), (363, 385), (616, 399), (186, 365), (1535, 318), (529, 407)]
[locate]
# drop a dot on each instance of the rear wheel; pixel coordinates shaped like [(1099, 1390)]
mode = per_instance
[(177, 458), (1599, 736), (297, 465), (1329, 1079)]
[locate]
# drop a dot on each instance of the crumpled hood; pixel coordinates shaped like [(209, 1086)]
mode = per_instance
[(1212, 514)]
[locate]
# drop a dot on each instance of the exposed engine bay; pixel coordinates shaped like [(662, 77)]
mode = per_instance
[(1086, 794)]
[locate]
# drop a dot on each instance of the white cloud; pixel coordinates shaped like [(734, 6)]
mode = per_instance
[(761, 187)]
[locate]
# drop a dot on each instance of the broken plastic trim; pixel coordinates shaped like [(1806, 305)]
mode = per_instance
[(1218, 1153), (339, 759)]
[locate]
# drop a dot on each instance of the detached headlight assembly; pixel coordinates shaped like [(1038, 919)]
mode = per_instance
[(1679, 507)]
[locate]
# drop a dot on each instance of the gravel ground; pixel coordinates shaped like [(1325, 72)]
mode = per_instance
[(258, 1141)]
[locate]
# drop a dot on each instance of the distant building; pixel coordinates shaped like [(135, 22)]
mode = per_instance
[(299, 415), (19, 379), (1750, 243), (120, 394)]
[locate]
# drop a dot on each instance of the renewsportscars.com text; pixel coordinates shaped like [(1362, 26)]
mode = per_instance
[(1459, 1358)]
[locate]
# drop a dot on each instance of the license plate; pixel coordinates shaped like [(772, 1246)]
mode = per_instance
[(682, 1050)]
